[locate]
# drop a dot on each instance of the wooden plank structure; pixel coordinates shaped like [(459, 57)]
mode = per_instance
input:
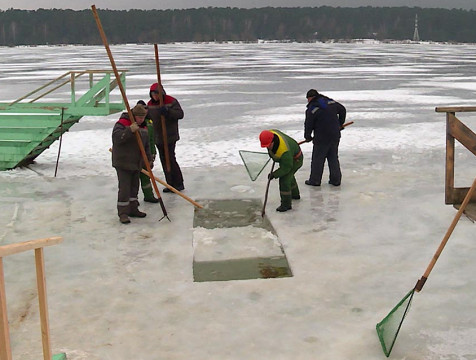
[(455, 129), (37, 245)]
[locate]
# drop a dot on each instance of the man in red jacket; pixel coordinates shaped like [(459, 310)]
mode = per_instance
[(172, 112)]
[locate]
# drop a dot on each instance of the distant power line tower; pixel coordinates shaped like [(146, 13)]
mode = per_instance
[(416, 36)]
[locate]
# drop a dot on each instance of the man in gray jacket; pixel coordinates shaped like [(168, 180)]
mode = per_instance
[(128, 162)]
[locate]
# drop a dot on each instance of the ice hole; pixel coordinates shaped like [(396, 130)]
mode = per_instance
[(232, 241)]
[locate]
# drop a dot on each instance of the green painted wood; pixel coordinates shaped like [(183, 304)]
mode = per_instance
[(29, 128)]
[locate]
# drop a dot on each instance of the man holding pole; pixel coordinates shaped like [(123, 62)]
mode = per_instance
[(128, 162), (324, 118), (165, 106)]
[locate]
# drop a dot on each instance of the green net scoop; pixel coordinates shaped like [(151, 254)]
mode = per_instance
[(254, 162), (388, 328)]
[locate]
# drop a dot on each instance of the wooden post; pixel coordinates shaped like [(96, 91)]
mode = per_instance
[(450, 161), (43, 303), (5, 350)]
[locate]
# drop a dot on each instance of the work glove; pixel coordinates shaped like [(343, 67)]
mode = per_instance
[(270, 176), (134, 127), (163, 110)]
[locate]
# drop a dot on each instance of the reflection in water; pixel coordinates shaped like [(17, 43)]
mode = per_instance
[(324, 208)]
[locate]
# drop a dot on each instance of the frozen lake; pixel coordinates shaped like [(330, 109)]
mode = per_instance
[(127, 292)]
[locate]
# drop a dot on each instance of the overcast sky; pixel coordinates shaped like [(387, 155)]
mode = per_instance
[(181, 4)]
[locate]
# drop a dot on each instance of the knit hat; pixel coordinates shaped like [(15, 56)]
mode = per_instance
[(312, 93), (154, 88), (139, 110)]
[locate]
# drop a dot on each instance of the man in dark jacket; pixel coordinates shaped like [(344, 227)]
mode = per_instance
[(324, 118), (128, 162), (172, 112)]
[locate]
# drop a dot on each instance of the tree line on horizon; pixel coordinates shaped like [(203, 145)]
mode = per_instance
[(305, 24)]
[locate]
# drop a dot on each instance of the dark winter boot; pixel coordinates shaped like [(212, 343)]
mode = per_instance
[(285, 203), (137, 213), (311, 183), (179, 188), (122, 213), (124, 219), (284, 208), (149, 195), (134, 210), (151, 199)]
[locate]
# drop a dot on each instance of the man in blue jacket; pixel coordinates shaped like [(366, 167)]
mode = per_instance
[(324, 120)]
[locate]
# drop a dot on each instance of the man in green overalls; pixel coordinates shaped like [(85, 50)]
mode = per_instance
[(286, 151), (145, 183)]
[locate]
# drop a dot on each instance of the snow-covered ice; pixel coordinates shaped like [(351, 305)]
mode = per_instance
[(127, 292)]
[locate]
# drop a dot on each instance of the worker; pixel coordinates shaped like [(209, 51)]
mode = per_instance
[(324, 120), (145, 183), (286, 151), (172, 112), (127, 160)]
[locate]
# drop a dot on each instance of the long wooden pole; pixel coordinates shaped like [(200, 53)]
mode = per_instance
[(343, 126), (432, 263), (162, 117), (145, 172), (263, 211), (173, 190), (131, 116)]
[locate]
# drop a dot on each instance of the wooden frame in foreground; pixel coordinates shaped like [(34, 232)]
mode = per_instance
[(37, 245)]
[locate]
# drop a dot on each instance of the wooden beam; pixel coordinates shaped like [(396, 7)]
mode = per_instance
[(28, 245), (458, 194), (470, 211), (454, 109), (462, 133)]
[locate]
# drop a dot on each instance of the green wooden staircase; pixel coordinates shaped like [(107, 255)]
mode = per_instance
[(28, 127)]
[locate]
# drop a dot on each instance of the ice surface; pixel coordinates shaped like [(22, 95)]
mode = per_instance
[(127, 292), (234, 243)]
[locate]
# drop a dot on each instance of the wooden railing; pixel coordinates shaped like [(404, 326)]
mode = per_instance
[(455, 129), (37, 245), (71, 77)]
